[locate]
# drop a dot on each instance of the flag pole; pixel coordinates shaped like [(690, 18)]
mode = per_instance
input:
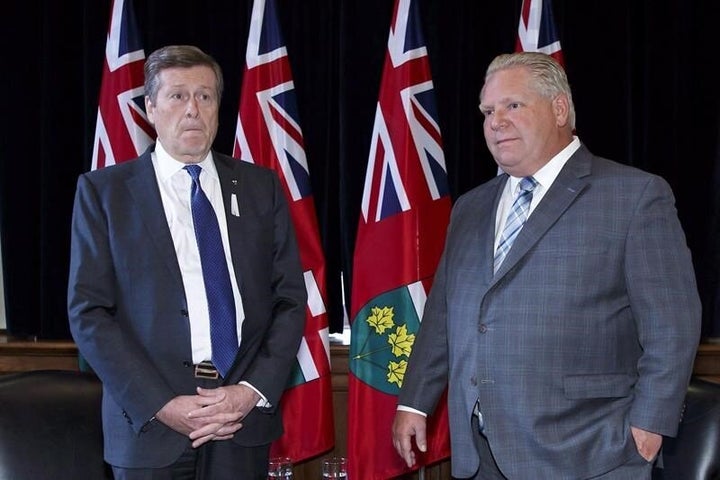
[(421, 473)]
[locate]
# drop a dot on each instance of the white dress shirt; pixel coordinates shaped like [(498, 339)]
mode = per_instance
[(175, 184)]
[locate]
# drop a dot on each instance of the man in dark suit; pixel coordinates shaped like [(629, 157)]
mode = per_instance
[(564, 316), (143, 306)]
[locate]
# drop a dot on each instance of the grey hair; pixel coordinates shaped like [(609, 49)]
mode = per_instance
[(182, 56), (549, 78)]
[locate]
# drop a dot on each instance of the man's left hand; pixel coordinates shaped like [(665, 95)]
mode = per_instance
[(223, 415), (648, 443)]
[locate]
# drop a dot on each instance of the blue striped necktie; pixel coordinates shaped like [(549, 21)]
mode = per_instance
[(216, 276), (515, 219)]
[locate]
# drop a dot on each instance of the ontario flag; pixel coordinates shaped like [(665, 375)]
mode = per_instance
[(536, 30), (122, 130), (268, 133), (404, 215)]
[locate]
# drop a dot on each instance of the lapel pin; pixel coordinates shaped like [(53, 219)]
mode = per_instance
[(234, 208)]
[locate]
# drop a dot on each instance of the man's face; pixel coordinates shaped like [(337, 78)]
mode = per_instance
[(523, 130), (185, 112)]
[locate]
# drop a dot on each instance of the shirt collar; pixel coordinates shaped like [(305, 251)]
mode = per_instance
[(549, 172), (167, 166)]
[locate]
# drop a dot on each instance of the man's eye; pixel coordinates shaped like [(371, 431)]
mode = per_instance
[(513, 106)]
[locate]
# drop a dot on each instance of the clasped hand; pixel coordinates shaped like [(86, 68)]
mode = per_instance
[(212, 414)]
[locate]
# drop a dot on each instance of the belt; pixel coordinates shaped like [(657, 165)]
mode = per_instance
[(206, 370)]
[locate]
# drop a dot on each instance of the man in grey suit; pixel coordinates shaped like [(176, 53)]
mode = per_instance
[(564, 315), (142, 304)]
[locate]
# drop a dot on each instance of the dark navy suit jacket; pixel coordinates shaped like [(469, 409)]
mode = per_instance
[(128, 310)]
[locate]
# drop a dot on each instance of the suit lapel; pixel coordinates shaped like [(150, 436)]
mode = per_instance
[(569, 183), (235, 198), (231, 185), (144, 191)]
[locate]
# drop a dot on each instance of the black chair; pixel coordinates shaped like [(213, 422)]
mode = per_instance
[(50, 426), (695, 453)]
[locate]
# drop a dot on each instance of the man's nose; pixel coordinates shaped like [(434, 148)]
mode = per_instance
[(498, 121), (191, 110)]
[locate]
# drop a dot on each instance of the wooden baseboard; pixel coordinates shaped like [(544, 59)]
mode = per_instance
[(707, 361), (18, 355)]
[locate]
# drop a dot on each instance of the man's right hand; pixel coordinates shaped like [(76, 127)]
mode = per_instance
[(175, 413), (406, 426)]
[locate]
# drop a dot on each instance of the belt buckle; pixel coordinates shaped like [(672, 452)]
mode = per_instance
[(206, 370)]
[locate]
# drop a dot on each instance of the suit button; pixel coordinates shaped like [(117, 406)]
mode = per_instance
[(184, 312), (187, 364), (473, 381), (127, 417), (482, 328)]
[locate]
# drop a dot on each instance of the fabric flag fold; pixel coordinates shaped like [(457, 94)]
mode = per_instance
[(122, 130), (268, 133), (537, 31), (401, 232)]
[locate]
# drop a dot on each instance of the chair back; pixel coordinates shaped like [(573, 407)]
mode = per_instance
[(695, 453), (50, 426)]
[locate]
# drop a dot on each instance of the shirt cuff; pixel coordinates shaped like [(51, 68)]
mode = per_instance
[(263, 402), (404, 408)]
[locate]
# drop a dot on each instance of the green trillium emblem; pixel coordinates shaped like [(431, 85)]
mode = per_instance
[(383, 335)]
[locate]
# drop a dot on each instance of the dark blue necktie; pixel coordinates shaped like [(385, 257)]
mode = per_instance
[(221, 304)]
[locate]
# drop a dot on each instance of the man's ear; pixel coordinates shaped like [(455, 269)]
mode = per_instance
[(561, 109), (149, 109)]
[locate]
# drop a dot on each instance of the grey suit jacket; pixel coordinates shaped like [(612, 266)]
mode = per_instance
[(128, 310), (590, 325)]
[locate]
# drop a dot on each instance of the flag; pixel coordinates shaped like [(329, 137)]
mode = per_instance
[(401, 232), (268, 133), (122, 130), (536, 30)]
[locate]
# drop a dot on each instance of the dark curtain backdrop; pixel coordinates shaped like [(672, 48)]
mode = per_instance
[(640, 69)]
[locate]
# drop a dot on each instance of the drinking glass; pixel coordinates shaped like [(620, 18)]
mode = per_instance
[(280, 468), (334, 468)]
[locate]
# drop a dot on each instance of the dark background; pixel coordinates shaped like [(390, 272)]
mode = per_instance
[(640, 72)]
